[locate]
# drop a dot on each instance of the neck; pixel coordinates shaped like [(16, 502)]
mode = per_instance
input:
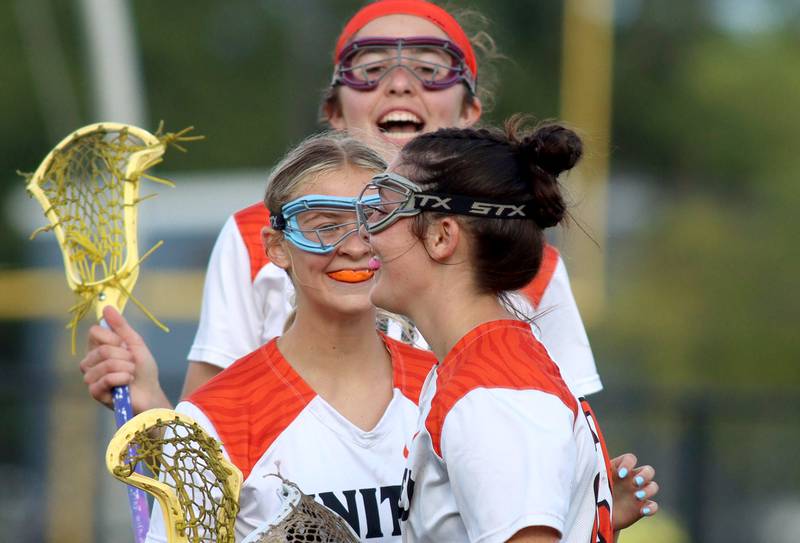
[(444, 322), (339, 342)]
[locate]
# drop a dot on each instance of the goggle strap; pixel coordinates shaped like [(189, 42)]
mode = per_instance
[(473, 207), (277, 222)]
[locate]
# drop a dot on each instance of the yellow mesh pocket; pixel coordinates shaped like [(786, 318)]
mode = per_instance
[(197, 488)]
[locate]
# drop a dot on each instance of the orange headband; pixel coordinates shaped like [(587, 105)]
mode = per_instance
[(418, 8)]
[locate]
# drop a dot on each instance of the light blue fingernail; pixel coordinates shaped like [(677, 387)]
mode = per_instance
[(639, 494), (623, 472), (646, 511), (638, 480)]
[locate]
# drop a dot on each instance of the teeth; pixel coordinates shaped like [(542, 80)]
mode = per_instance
[(400, 117)]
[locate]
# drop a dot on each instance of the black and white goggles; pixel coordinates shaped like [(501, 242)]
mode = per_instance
[(390, 197)]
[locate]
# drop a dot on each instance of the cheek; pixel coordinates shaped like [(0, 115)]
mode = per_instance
[(447, 106), (354, 105)]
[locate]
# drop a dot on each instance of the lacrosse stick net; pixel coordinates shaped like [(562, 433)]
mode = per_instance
[(88, 187), (302, 520), (196, 487)]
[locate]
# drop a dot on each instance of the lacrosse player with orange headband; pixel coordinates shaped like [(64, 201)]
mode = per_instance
[(401, 68)]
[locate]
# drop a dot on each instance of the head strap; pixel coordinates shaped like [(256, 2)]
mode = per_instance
[(418, 8)]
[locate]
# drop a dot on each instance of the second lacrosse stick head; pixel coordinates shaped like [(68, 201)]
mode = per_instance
[(195, 485)]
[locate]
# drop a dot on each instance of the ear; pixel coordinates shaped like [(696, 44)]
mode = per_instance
[(333, 112), (471, 112), (442, 239), (275, 247)]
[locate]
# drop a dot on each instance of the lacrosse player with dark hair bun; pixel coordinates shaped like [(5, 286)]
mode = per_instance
[(503, 450)]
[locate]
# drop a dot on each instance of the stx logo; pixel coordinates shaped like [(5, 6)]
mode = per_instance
[(379, 508), (421, 200), (497, 210)]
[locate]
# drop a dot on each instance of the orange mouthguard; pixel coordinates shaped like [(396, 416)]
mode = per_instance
[(352, 276)]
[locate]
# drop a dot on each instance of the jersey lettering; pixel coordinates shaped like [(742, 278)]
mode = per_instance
[(406, 494), (370, 505)]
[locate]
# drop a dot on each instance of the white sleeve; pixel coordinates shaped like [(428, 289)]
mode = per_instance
[(511, 458), (561, 330), (157, 531), (232, 314)]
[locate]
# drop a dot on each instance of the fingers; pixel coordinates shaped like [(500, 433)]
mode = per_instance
[(643, 475), (649, 508), (102, 353), (106, 367), (623, 464), (103, 376), (102, 336), (120, 326)]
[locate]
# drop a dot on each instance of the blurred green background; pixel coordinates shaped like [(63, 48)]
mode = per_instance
[(695, 340)]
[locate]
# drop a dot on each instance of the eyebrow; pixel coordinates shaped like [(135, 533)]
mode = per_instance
[(322, 214)]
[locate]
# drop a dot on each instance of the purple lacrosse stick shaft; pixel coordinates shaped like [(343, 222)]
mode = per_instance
[(140, 511), (136, 497)]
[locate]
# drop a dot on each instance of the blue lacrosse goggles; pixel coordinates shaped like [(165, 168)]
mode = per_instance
[(317, 223)]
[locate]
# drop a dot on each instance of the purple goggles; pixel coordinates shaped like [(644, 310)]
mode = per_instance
[(436, 63)]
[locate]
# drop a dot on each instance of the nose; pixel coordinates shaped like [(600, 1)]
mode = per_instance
[(399, 80), (362, 233), (355, 245)]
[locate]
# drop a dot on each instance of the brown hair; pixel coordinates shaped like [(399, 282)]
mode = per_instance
[(511, 165)]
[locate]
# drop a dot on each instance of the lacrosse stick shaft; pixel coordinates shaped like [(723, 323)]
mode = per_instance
[(137, 499)]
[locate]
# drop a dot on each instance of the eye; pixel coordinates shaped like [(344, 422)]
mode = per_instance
[(425, 71)]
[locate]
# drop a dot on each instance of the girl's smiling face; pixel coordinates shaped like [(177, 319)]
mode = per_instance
[(338, 281), (400, 107)]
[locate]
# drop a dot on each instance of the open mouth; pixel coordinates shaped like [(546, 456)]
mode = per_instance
[(402, 124), (351, 276)]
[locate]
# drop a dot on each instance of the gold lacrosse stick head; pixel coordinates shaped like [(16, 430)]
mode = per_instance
[(301, 519), (88, 187), (196, 487)]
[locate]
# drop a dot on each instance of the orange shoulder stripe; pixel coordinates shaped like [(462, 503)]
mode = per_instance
[(252, 402), (500, 354), (534, 291), (250, 221), (410, 366)]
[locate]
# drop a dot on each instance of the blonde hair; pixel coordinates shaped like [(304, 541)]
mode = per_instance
[(322, 153)]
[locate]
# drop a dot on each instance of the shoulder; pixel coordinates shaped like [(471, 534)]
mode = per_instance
[(249, 223), (503, 355), (410, 365), (252, 402)]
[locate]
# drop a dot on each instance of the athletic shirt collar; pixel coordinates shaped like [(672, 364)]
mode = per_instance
[(478, 331)]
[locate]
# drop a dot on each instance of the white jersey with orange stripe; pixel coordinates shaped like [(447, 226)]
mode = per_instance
[(247, 299), (502, 445), (270, 421)]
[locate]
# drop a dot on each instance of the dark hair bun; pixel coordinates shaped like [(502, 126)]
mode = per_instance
[(543, 154), (553, 148)]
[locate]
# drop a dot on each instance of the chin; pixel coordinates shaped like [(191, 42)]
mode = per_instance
[(383, 298)]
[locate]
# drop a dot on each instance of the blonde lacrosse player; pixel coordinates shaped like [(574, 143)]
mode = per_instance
[(401, 68), (330, 403), (503, 450)]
